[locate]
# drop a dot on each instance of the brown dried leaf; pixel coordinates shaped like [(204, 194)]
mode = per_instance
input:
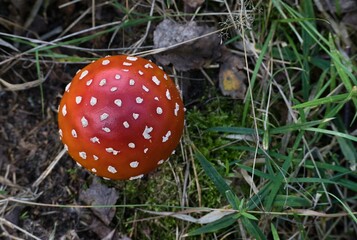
[(106, 233), (99, 194), (231, 77), (203, 49)]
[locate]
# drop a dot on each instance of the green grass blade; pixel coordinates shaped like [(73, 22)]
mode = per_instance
[(257, 67), (212, 173), (235, 130), (330, 99), (274, 232), (253, 229), (233, 200), (214, 226), (347, 208), (334, 133), (298, 126)]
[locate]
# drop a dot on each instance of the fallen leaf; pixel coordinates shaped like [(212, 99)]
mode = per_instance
[(104, 232), (231, 77), (101, 195), (190, 46)]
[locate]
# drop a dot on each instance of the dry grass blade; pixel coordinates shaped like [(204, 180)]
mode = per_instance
[(212, 216), (13, 226), (7, 182), (21, 86)]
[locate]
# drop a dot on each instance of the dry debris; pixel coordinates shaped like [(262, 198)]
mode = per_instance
[(192, 46), (100, 195)]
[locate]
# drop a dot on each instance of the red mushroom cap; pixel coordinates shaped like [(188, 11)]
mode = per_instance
[(121, 117)]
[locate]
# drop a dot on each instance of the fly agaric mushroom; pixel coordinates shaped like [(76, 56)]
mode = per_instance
[(121, 117)]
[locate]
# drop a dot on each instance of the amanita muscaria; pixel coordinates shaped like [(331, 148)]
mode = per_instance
[(121, 117)]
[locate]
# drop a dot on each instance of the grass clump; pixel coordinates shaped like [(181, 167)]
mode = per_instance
[(292, 168)]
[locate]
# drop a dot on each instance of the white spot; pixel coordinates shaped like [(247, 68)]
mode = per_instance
[(94, 170), (68, 86), (139, 100), (131, 145), (160, 162), (104, 116), (60, 132), (95, 157), (94, 140), (105, 129), (177, 108), (131, 58), (118, 102), (145, 88), (127, 64), (113, 89), (79, 165), (64, 110), (102, 82), (140, 72), (83, 155), (131, 82), (111, 150), (83, 74), (165, 76), (146, 150), (65, 147), (159, 110), (126, 124), (89, 82), (156, 98), (168, 95), (160, 67), (117, 76), (134, 164), (78, 71), (74, 133), (136, 177), (125, 70), (156, 80), (166, 137), (93, 101), (105, 62), (112, 169), (135, 115), (84, 122), (148, 65), (78, 99), (147, 131)]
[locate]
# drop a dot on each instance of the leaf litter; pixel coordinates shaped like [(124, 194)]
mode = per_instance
[(192, 46)]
